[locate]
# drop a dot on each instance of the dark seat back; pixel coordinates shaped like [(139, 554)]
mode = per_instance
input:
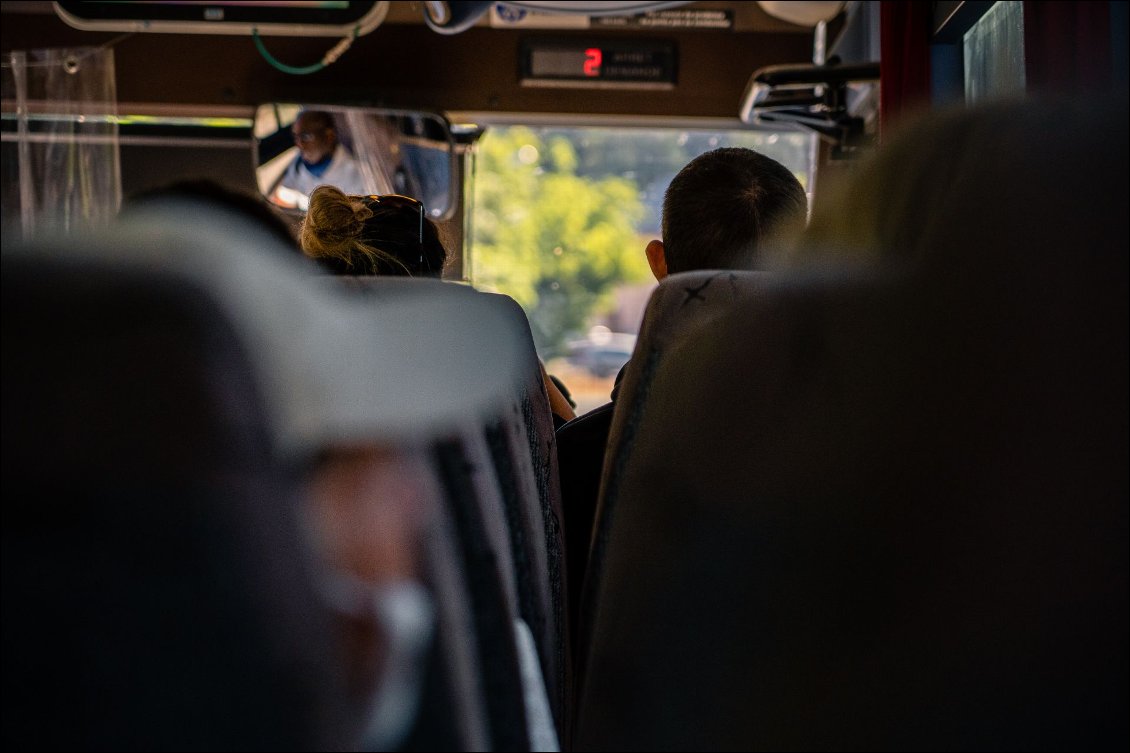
[(681, 304), (898, 519), (168, 389), (515, 493), (155, 594), (524, 449)]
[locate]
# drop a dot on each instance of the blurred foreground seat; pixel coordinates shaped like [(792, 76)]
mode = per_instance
[(883, 504), (500, 486), (170, 387)]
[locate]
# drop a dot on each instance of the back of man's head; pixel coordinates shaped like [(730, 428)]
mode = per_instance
[(723, 204), (316, 119)]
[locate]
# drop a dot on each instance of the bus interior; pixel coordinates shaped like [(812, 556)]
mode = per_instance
[(868, 491)]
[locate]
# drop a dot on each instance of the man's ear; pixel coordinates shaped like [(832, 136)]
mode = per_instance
[(657, 259)]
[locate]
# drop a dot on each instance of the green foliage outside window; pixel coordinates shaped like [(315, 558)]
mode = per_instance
[(561, 216), (556, 242)]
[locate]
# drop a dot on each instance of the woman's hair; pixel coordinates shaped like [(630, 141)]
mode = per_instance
[(355, 235)]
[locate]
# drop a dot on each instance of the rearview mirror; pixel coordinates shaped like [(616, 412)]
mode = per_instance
[(361, 150)]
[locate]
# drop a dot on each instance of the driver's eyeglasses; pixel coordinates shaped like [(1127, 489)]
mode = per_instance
[(305, 136), (404, 202)]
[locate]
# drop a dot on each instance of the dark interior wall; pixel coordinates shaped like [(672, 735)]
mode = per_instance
[(409, 65), (147, 167), (398, 64)]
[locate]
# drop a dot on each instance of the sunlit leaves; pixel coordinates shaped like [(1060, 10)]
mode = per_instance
[(556, 242)]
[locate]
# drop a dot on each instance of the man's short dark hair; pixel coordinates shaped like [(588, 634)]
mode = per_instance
[(723, 204), (321, 118)]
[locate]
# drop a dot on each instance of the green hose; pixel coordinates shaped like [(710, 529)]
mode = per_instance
[(329, 57)]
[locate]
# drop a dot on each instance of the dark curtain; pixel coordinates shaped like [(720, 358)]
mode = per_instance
[(1067, 46), (904, 72)]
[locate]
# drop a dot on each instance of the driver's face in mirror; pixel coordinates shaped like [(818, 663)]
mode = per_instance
[(314, 136), (360, 150)]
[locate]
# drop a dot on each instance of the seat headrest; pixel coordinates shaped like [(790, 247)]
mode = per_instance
[(331, 367)]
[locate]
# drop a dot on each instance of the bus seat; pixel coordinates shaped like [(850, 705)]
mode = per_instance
[(155, 595), (524, 448), (163, 381), (455, 712), (480, 527), (521, 484), (681, 303), (883, 506)]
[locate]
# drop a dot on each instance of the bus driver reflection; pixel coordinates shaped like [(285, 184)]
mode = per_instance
[(322, 159)]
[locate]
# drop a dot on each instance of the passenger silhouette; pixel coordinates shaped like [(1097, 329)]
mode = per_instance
[(371, 235), (322, 159), (719, 212)]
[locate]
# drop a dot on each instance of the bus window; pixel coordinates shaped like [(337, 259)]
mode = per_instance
[(559, 221)]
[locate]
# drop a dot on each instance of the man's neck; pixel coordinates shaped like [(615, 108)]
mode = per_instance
[(320, 166)]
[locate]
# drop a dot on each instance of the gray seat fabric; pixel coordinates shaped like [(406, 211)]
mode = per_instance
[(456, 712), (885, 507), (166, 388), (514, 696), (527, 580), (155, 589), (532, 497), (479, 524), (680, 304)]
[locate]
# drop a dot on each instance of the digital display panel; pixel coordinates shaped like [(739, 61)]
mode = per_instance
[(567, 63), (598, 63)]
